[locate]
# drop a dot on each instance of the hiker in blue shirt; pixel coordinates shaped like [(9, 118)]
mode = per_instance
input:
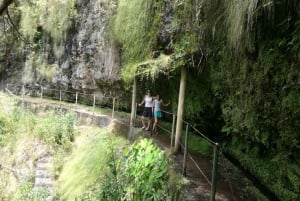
[(156, 108)]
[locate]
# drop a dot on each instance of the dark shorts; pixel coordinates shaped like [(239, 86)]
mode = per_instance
[(147, 112)]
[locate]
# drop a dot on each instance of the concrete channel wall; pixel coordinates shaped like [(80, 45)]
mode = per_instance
[(43, 180), (82, 117)]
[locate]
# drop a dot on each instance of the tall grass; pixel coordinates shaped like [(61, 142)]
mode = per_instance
[(103, 168), (21, 132), (100, 166), (88, 163)]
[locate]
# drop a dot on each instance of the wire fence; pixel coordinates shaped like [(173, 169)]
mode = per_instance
[(112, 103), (168, 125), (88, 99)]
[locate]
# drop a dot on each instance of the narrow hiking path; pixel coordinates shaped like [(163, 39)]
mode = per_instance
[(197, 188)]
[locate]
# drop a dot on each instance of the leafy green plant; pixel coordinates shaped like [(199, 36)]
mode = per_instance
[(145, 171), (28, 193), (13, 123), (200, 145), (87, 165), (142, 174), (97, 170), (56, 130), (271, 174)]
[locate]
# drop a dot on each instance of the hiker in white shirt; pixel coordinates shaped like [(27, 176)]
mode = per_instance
[(148, 99)]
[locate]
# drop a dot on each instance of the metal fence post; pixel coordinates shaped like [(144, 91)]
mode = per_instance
[(94, 102), (60, 95), (76, 97), (173, 131), (23, 91), (214, 172), (41, 92), (113, 109), (185, 149)]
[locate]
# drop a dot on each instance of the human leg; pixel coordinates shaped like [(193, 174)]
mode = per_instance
[(143, 122), (155, 124), (157, 116), (149, 124), (149, 115)]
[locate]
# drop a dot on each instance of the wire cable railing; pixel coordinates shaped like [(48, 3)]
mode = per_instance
[(170, 130), (93, 100), (89, 99), (184, 147)]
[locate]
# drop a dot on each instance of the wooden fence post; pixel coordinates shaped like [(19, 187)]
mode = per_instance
[(185, 149), (113, 109), (23, 91), (94, 103), (214, 172), (41, 92)]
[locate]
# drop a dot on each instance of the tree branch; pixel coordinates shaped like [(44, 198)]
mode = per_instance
[(11, 170), (4, 5), (14, 27)]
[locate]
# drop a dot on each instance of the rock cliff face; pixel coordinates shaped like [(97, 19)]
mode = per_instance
[(86, 61), (93, 58)]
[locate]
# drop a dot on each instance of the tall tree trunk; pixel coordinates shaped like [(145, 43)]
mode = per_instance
[(180, 109)]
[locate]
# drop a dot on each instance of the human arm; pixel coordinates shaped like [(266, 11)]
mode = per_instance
[(153, 106), (142, 102), (165, 104)]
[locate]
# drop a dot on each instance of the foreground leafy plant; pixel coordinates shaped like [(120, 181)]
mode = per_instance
[(142, 174), (98, 170)]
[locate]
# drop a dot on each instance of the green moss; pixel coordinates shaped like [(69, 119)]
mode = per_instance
[(136, 28), (37, 67), (54, 17)]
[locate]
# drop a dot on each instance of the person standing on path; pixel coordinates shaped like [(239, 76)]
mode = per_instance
[(156, 108), (148, 99)]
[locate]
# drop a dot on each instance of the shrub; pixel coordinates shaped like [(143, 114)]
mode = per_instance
[(27, 193), (142, 174), (56, 130)]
